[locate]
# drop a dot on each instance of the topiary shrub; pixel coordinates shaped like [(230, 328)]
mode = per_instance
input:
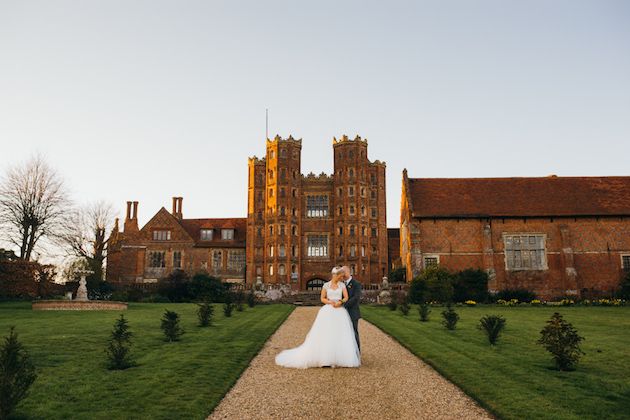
[(492, 325), (424, 310), (17, 374), (562, 341), (119, 346), (450, 318), (404, 308), (239, 297), (228, 305), (204, 314), (170, 325), (251, 299)]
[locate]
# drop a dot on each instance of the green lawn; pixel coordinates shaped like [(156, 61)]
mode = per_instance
[(186, 379), (514, 380)]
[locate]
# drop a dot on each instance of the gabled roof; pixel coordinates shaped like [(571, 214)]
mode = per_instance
[(160, 218), (519, 197), (194, 227)]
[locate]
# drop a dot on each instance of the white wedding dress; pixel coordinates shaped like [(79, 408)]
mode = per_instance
[(330, 342)]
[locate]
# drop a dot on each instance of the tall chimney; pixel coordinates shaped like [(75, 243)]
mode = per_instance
[(174, 212), (131, 220), (180, 211)]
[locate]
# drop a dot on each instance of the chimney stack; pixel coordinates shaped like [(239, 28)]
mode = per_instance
[(177, 207), (131, 219), (180, 211)]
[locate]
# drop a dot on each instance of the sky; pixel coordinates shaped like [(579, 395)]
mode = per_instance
[(147, 100)]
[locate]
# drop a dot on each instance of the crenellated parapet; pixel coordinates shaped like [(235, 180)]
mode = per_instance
[(345, 139), (256, 161), (322, 177), (290, 139), (378, 163)]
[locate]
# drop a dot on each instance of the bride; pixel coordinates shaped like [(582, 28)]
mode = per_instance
[(330, 342)]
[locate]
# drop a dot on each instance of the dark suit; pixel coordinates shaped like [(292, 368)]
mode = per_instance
[(352, 306)]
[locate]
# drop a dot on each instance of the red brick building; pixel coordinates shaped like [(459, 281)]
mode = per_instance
[(168, 242), (552, 235), (299, 227)]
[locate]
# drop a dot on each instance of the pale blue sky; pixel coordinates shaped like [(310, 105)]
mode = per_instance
[(144, 100)]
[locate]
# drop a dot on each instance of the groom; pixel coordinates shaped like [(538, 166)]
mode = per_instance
[(352, 305)]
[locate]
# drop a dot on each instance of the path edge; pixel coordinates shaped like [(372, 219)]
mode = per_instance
[(256, 353), (443, 374)]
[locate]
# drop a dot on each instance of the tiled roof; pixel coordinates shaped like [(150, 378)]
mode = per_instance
[(194, 226), (519, 197)]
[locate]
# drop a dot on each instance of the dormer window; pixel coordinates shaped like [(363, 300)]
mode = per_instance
[(227, 234), (206, 234), (161, 235)]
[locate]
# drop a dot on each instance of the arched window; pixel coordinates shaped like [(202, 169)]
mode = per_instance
[(281, 271), (271, 269)]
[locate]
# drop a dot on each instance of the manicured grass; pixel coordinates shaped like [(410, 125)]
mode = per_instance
[(515, 379), (185, 379)]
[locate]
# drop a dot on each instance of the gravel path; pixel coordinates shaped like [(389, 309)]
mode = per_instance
[(391, 383)]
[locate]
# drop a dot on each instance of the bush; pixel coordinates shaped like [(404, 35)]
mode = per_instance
[(204, 314), (398, 275), (424, 310), (404, 308), (624, 287), (521, 295), (228, 306), (239, 297), (207, 288), (492, 325), (251, 299), (175, 287), (170, 326), (562, 341), (470, 285), (99, 290), (119, 296), (439, 284), (418, 290), (450, 318), (17, 374), (392, 305), (119, 346)]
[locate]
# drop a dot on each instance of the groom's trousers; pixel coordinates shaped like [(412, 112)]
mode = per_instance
[(355, 325)]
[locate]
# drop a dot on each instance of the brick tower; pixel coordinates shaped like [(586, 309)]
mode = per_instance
[(299, 226)]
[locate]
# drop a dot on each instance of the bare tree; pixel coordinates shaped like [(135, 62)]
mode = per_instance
[(33, 205), (86, 237)]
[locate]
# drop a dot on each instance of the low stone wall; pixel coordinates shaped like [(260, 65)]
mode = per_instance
[(74, 305)]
